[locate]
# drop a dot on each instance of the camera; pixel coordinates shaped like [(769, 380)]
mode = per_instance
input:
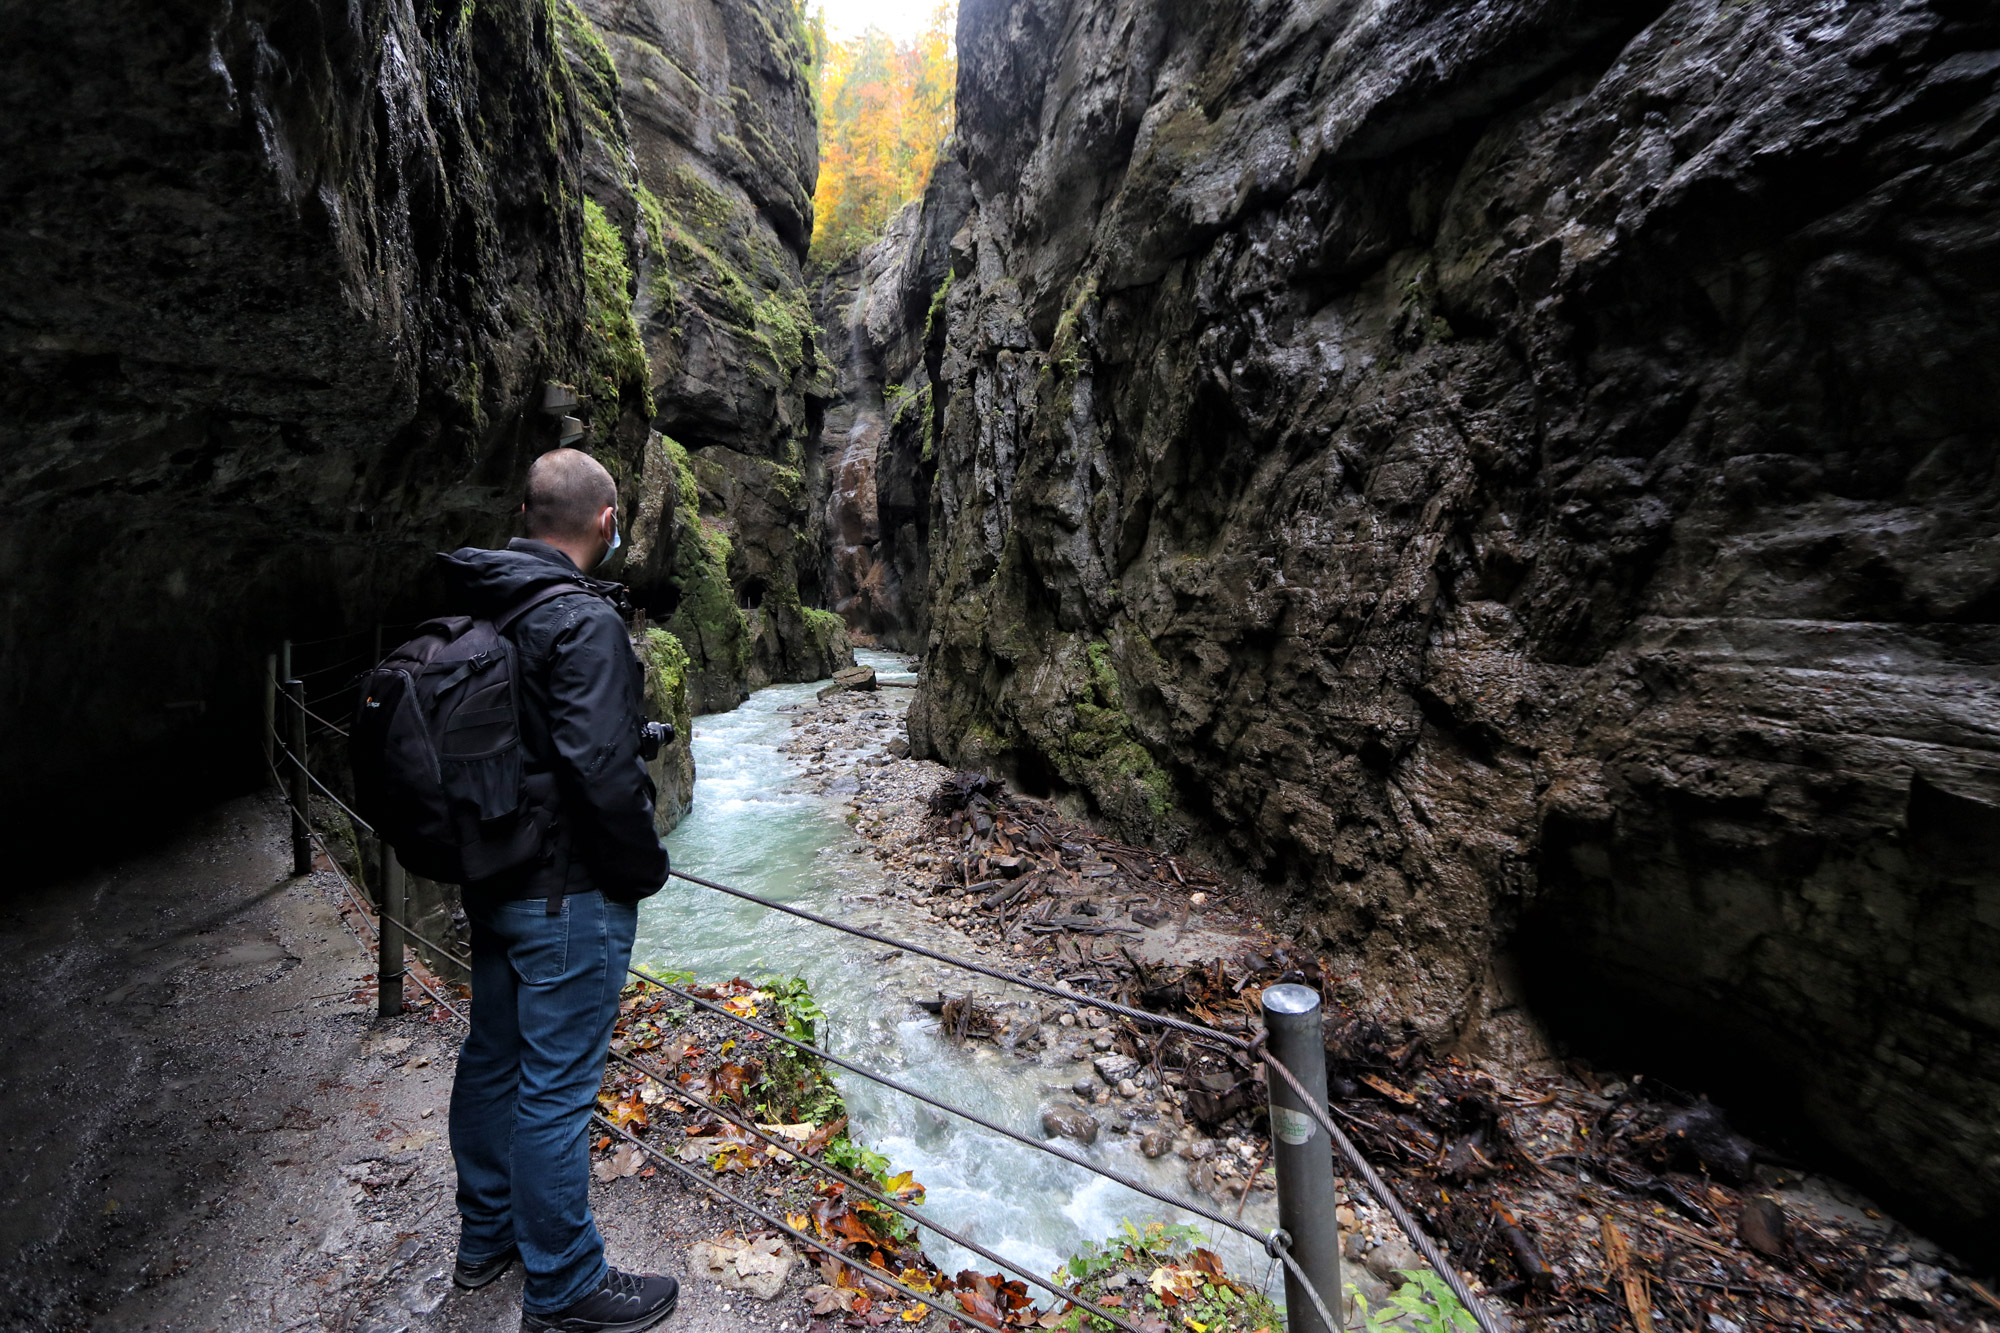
[(652, 735)]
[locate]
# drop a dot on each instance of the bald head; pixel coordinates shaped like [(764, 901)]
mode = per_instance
[(568, 492)]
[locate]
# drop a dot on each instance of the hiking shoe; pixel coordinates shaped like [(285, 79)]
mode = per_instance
[(622, 1303), (471, 1277)]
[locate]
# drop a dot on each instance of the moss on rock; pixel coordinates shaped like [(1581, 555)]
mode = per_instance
[(1101, 752), (617, 357), (666, 665), (707, 621)]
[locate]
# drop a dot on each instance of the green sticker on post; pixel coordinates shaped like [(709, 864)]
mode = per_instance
[(1293, 1127)]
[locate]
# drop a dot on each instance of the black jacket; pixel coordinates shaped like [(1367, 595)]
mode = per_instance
[(581, 694)]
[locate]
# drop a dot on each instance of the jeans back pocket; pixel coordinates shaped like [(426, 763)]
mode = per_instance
[(537, 943)]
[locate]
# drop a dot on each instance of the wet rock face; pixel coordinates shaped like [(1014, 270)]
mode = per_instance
[(703, 155), (279, 284), (1512, 471), (881, 342)]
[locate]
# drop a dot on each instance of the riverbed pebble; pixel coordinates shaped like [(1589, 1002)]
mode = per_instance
[(1115, 1068)]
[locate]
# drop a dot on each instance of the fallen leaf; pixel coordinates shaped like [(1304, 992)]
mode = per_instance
[(904, 1187), (797, 1133), (735, 1158), (824, 1135), (730, 1081)]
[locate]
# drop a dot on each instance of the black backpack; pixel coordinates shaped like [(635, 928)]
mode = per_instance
[(439, 768)]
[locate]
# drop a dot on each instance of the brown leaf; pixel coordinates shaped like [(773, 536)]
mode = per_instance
[(824, 1135), (734, 1158), (729, 1081), (976, 1305)]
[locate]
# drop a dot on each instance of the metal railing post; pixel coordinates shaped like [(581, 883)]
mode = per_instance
[(389, 963), (1302, 1155), (271, 709), (295, 695)]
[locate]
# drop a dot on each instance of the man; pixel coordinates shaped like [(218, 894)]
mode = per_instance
[(550, 943)]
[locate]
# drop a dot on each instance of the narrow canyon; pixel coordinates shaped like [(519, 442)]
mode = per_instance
[(1511, 487)]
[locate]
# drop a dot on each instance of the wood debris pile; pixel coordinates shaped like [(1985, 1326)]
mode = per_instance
[(1583, 1202)]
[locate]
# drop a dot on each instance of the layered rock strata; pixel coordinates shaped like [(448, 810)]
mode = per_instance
[(700, 168), (280, 285), (1513, 471)]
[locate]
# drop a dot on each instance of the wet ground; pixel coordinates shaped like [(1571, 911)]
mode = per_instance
[(208, 1128)]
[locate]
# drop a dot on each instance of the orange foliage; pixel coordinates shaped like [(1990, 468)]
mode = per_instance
[(885, 111)]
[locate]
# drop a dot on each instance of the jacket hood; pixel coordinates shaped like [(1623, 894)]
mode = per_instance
[(479, 582)]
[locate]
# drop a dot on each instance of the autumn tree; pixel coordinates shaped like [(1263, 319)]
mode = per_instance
[(885, 111)]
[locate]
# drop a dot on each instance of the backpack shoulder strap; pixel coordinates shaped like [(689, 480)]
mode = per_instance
[(534, 599)]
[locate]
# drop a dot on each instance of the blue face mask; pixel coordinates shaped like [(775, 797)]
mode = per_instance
[(612, 549)]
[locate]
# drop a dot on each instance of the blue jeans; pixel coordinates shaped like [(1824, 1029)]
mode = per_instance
[(544, 995)]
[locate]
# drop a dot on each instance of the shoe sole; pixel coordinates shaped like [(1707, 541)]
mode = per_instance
[(458, 1278), (639, 1325)]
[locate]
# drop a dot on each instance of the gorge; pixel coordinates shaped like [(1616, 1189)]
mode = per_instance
[(1511, 481)]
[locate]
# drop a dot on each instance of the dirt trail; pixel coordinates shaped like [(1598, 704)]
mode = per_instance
[(208, 1128)]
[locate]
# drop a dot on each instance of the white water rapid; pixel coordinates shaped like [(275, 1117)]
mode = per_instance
[(753, 826)]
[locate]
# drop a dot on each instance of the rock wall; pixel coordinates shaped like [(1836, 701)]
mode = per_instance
[(1513, 476), (701, 162), (883, 333), (279, 288)]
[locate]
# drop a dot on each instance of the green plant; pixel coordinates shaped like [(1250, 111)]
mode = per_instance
[(795, 1002), (1423, 1304), (1182, 1282), (847, 1155)]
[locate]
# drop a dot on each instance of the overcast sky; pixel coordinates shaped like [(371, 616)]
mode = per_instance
[(901, 19)]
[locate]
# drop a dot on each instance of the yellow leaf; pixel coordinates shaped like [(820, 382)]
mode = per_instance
[(915, 1312), (799, 1221)]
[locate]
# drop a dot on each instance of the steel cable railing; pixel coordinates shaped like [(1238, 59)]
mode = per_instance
[(1137, 1015), (334, 727), (1136, 1186), (824, 1168), (1274, 1243), (1376, 1185), (1387, 1197), (874, 1274), (868, 1271), (324, 790), (342, 664), (361, 902), (861, 1187)]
